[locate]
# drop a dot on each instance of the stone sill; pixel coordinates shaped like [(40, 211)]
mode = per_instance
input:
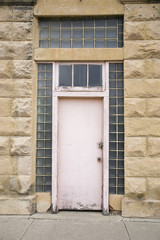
[(83, 54), (17, 2), (139, 1)]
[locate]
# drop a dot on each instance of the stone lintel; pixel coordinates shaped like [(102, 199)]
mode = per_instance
[(139, 1), (17, 2)]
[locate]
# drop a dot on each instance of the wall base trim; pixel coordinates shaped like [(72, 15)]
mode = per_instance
[(19, 205)]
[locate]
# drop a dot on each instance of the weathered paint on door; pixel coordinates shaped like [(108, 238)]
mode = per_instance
[(79, 171)]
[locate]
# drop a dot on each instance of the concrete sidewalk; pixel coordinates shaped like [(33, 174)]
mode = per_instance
[(77, 226)]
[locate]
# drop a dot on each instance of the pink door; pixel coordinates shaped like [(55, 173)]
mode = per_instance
[(79, 169)]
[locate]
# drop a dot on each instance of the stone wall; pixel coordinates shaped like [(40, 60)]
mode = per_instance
[(142, 102), (142, 110), (16, 135)]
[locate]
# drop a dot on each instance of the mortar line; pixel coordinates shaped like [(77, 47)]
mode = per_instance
[(126, 230), (26, 229)]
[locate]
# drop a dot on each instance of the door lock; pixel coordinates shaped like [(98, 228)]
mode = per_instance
[(100, 144)]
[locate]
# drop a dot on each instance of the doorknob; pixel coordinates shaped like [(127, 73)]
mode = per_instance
[(99, 159), (100, 144)]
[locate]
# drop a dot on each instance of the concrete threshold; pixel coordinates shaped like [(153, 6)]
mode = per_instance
[(89, 216), (78, 216)]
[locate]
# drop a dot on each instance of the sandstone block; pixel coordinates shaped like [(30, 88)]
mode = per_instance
[(134, 69), (135, 187), (142, 88), (5, 165), (24, 165), (21, 107), (5, 69), (6, 126), (14, 165), (142, 166), (22, 88), (4, 146), (152, 30), (142, 49), (140, 208), (26, 186), (142, 30), (6, 50), (4, 183), (15, 126), (22, 126), (18, 205), (21, 13), (141, 12), (135, 107), (16, 13), (21, 146), (153, 188), (43, 202), (153, 107), (17, 88), (22, 31), (14, 184), (5, 31), (153, 146), (152, 68), (115, 202), (17, 50), (135, 147), (5, 107), (134, 31), (7, 88), (22, 69), (22, 51), (142, 127)]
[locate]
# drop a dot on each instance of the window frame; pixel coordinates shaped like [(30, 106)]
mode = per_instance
[(118, 42), (58, 88)]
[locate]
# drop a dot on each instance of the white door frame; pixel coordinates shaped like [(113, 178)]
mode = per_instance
[(104, 94)]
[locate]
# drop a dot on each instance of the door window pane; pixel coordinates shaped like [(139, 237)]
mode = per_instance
[(65, 75), (95, 75), (80, 75)]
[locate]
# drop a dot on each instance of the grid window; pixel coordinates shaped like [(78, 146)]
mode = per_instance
[(81, 33), (116, 129), (44, 129)]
